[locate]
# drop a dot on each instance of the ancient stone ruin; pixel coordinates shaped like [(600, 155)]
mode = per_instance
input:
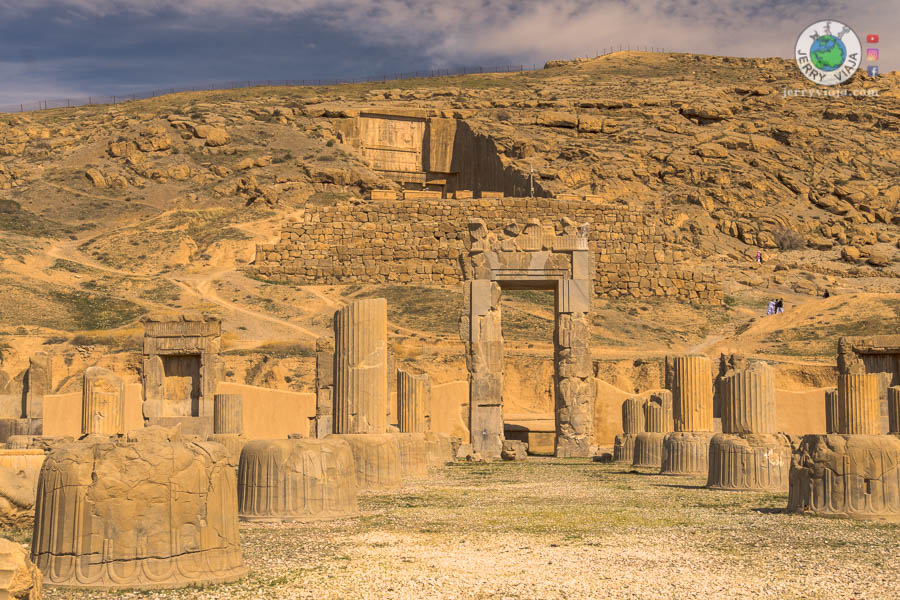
[(633, 424), (296, 479), (19, 470), (103, 403), (323, 424), (377, 459), (686, 450), (146, 511), (181, 368), (413, 401), (855, 472), (648, 445), (529, 257), (228, 423), (877, 354), (894, 410), (19, 578), (749, 454)]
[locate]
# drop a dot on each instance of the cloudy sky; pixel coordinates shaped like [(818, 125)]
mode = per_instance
[(75, 48)]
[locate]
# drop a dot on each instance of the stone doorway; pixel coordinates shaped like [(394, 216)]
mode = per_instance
[(529, 257), (181, 385)]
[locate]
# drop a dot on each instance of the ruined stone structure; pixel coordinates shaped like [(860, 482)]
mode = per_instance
[(422, 241), (855, 472), (19, 470), (894, 410), (38, 383), (877, 354), (831, 411), (103, 403), (648, 445), (413, 401), (686, 450), (529, 257), (360, 367), (295, 479), (438, 449), (181, 368), (19, 578), (749, 454), (228, 423), (413, 461), (632, 424), (377, 460), (324, 387), (146, 511)]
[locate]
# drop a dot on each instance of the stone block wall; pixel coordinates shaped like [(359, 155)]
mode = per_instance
[(422, 241)]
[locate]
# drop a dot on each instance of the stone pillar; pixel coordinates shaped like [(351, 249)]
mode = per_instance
[(102, 403), (413, 396), (648, 446), (228, 414), (859, 410), (894, 410), (632, 425), (38, 383), (576, 389), (480, 331), (324, 387), (692, 393), (831, 411), (360, 367), (748, 400)]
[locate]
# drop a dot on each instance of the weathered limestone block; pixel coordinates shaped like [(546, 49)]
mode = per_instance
[(728, 363), (576, 389), (145, 511), (686, 453), (377, 460), (623, 447), (853, 476), (360, 367), (19, 578), (228, 413), (438, 449), (324, 387), (38, 383), (413, 399), (648, 448), (748, 400), (859, 410), (514, 450), (296, 479), (658, 412), (633, 415), (749, 462), (831, 411), (19, 470), (894, 410), (692, 393), (413, 461), (12, 427), (102, 403)]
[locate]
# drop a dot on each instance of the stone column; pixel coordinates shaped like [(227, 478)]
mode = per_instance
[(324, 387), (858, 404), (894, 410), (38, 384), (831, 411), (648, 446), (480, 331), (228, 413), (748, 400), (413, 398), (360, 367), (576, 389), (102, 403), (632, 425), (692, 393)]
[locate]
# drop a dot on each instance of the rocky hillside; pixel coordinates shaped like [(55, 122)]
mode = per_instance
[(107, 212)]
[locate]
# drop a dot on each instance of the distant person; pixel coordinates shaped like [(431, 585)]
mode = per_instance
[(759, 256), (771, 310), (826, 294), (779, 306)]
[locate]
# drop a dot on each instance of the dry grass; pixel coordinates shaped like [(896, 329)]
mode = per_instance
[(552, 528)]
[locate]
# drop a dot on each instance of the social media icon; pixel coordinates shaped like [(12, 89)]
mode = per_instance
[(872, 54), (872, 70), (872, 38)]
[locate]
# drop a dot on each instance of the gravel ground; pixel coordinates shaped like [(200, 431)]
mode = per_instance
[(553, 528)]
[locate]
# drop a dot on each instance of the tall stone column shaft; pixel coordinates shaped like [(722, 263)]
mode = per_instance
[(859, 410), (894, 410), (360, 367), (692, 393), (633, 415), (748, 400), (228, 413), (102, 403), (658, 412), (413, 399), (832, 417)]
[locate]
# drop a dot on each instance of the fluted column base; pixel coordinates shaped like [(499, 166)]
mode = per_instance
[(686, 453), (623, 447), (377, 458), (412, 455), (749, 462), (648, 449)]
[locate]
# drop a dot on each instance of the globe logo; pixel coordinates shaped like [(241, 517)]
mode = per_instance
[(828, 52)]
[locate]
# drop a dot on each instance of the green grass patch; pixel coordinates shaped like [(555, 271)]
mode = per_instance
[(97, 311), (15, 219)]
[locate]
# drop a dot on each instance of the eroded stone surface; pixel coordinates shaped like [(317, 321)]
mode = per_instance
[(686, 453), (19, 578), (103, 403), (413, 462), (648, 448), (623, 447), (749, 462), (514, 450), (19, 470), (377, 460), (146, 511), (413, 401)]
